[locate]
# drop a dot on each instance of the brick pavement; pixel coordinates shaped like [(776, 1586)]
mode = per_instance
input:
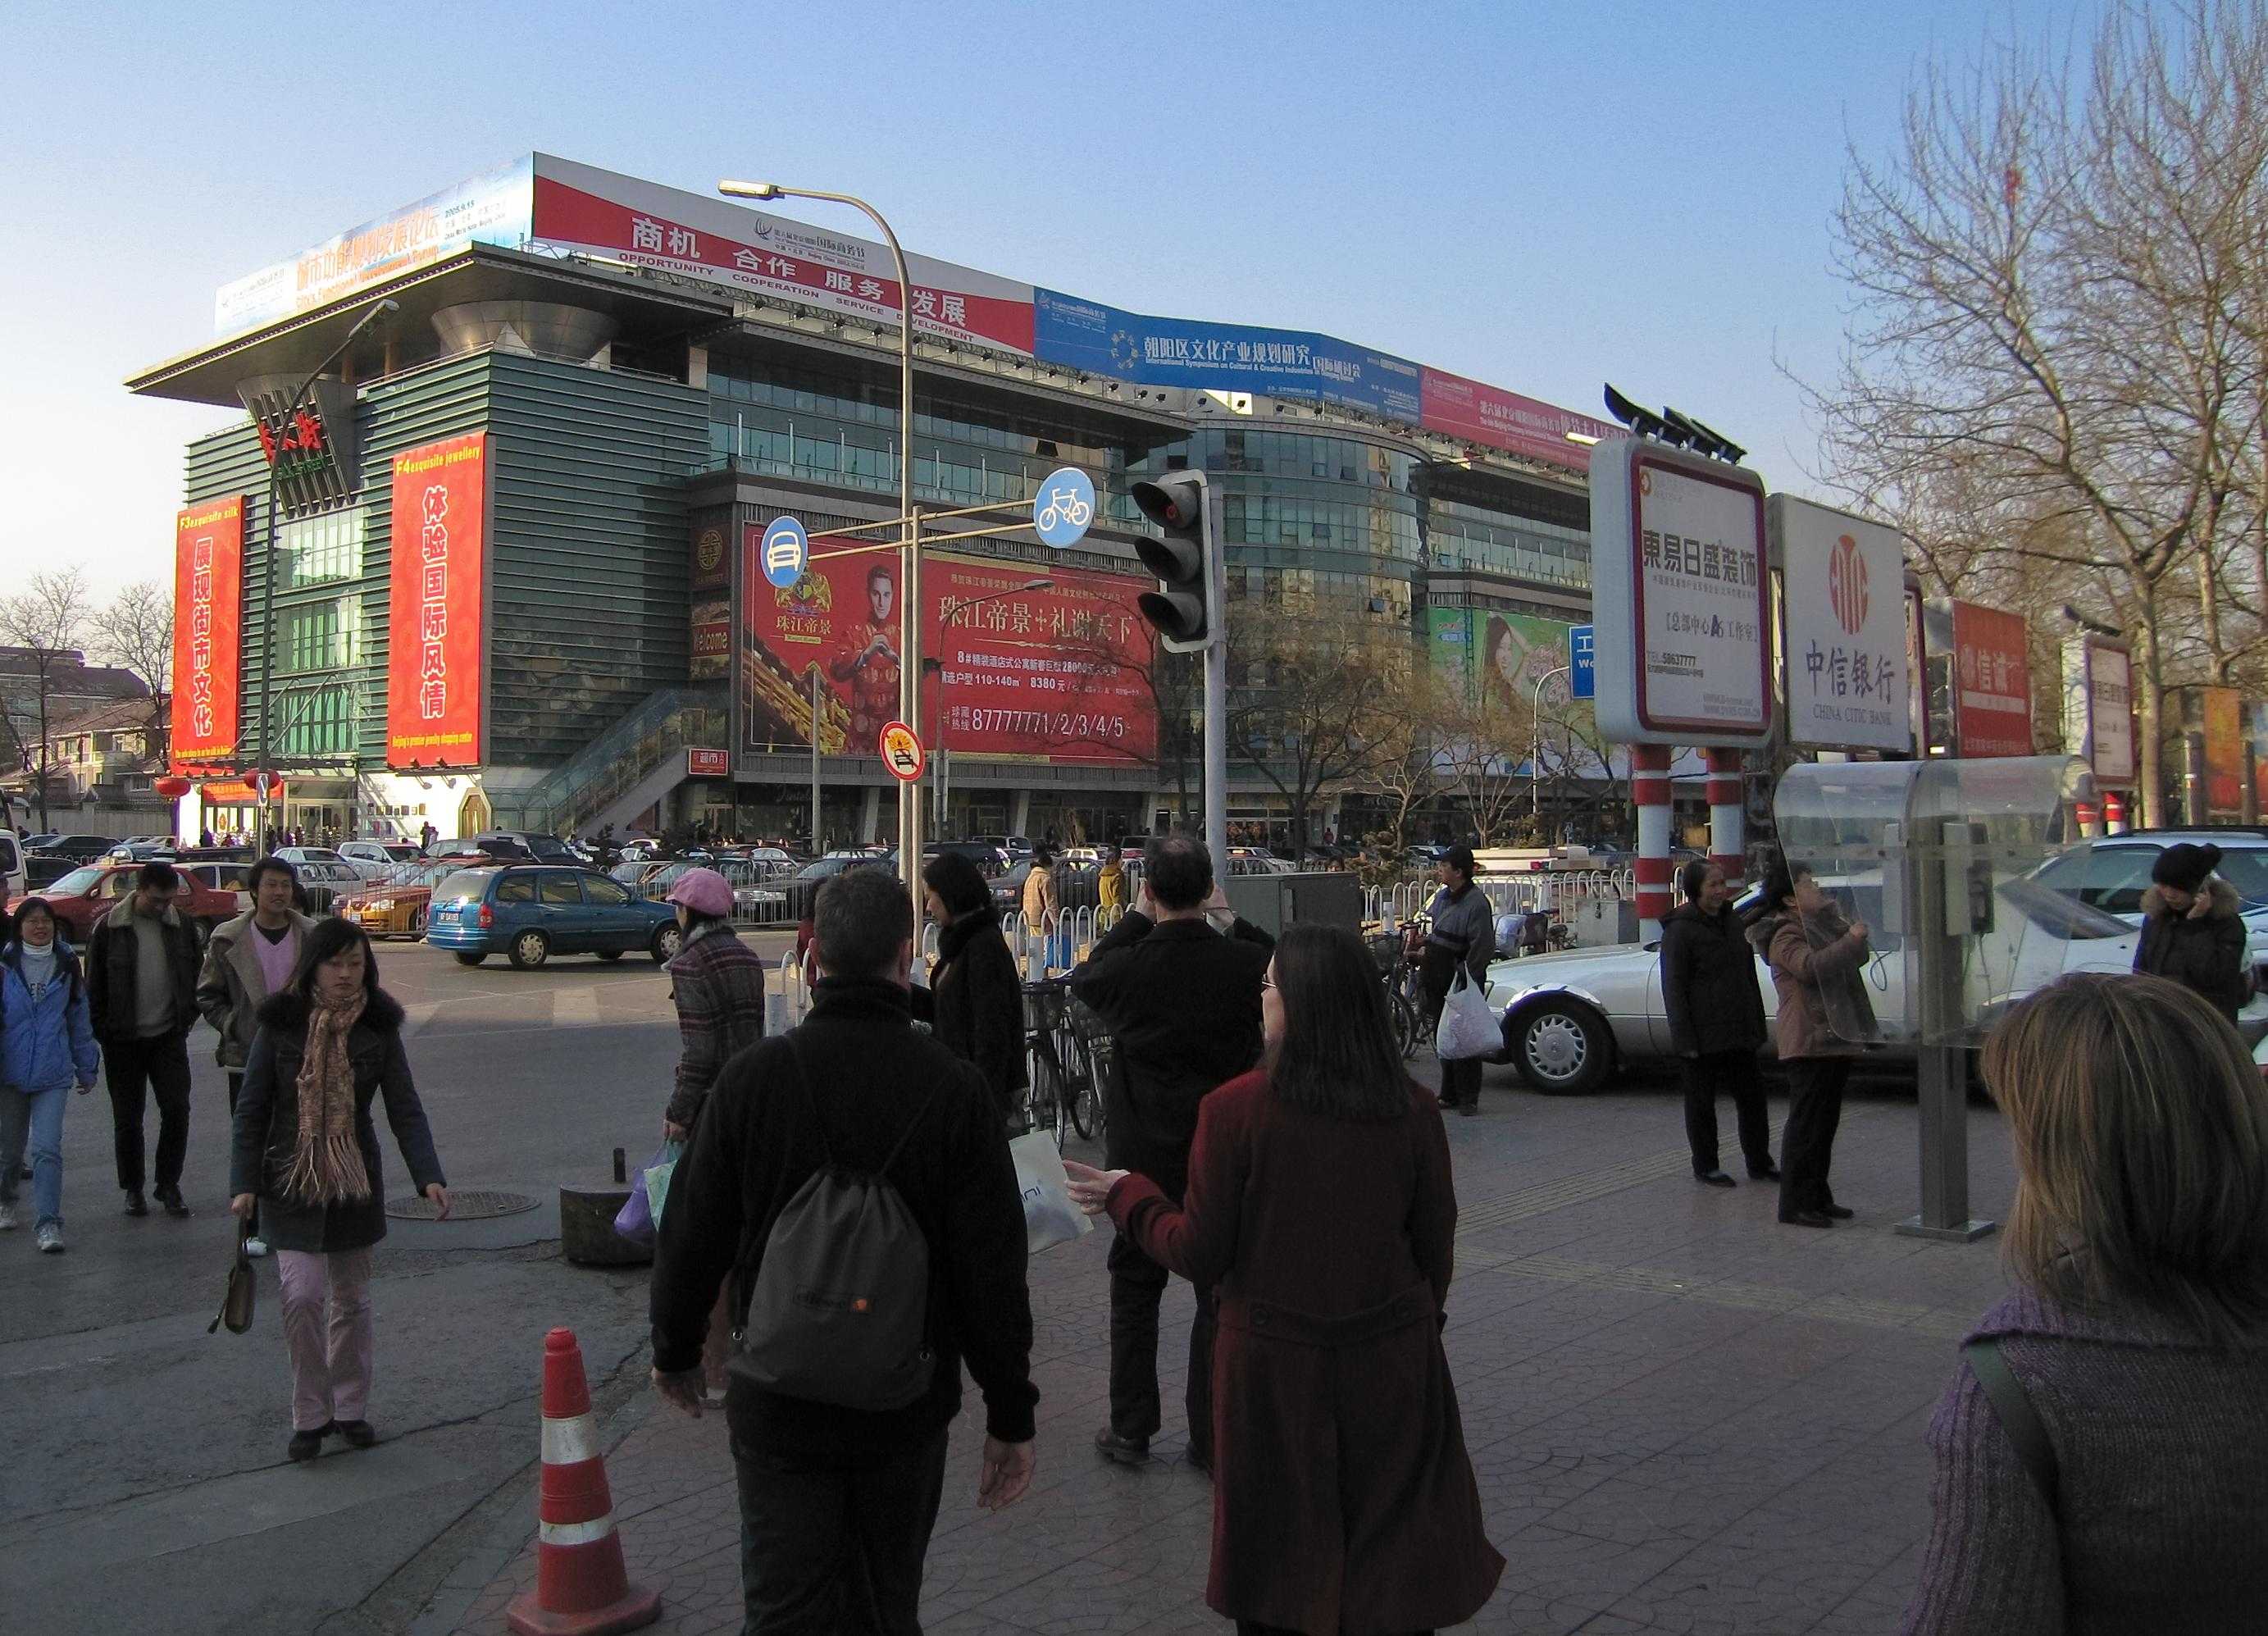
[(1685, 1417)]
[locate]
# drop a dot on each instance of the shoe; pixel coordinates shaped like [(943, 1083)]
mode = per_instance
[(7, 1218), (1770, 1173), (1837, 1213), (255, 1247), (1804, 1217), (171, 1198), (359, 1434), (136, 1205), (1713, 1178), (1123, 1450), (50, 1239), (307, 1445), (1467, 1110)]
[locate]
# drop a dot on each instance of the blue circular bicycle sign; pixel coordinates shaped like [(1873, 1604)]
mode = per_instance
[(1064, 508), (786, 551)]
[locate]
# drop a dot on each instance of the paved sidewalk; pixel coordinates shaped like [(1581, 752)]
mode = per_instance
[(1685, 1417)]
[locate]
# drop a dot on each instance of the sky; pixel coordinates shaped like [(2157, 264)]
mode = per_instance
[(1541, 196)]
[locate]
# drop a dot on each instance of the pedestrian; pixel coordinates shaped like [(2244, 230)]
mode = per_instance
[(1462, 937), (46, 1045), (1042, 903), (1715, 1008), (837, 1503), (205, 837), (305, 1153), (427, 835), (1182, 1001), (2102, 1452), (977, 997), (1110, 887), (716, 983), (247, 960), (142, 996), (2192, 929), (1320, 1208), (1815, 952)]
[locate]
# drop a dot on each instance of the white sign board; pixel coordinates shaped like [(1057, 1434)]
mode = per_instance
[(1679, 594), (1848, 686), (2098, 707)]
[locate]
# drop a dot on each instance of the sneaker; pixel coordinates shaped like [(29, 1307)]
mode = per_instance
[(51, 1238), (7, 1218)]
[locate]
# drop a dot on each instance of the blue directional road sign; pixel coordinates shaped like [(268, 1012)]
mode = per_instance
[(1064, 508), (787, 551), (1582, 679)]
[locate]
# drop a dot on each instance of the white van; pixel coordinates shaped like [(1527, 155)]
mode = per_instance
[(12, 864)]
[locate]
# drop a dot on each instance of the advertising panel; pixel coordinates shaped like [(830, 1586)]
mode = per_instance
[(2223, 709), (1221, 357), (1847, 682), (1992, 682), (1680, 597), (1499, 657), (2098, 707), (711, 582), (1055, 675), (433, 678), (1506, 420), (208, 582), (577, 207), (493, 208), (701, 763)]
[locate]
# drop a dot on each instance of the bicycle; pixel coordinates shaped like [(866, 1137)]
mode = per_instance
[(1058, 1077), (1399, 976), (1095, 1064), (1064, 507)]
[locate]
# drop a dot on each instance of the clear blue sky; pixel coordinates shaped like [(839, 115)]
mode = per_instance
[(1540, 196)]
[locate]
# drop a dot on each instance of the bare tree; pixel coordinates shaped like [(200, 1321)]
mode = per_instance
[(1404, 738), (135, 631), (48, 617), (1310, 698), (1486, 743)]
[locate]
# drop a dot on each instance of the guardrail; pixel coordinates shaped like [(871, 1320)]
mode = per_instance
[(1558, 893)]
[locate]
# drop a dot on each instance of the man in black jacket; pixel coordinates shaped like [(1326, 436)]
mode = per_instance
[(1182, 1002), (142, 998), (837, 1505)]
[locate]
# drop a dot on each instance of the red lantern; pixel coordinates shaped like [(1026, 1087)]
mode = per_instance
[(173, 786)]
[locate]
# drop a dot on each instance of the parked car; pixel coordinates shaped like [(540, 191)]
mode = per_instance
[(530, 912), (85, 848), (375, 860), (1075, 887), (2112, 872), (140, 848), (43, 869), (322, 883), (85, 894), (396, 905), (640, 847), (232, 877)]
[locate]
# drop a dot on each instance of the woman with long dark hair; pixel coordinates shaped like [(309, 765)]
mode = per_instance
[(306, 1151), (1320, 1206), (976, 995)]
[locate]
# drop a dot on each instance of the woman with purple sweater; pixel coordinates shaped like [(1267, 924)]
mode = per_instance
[(2102, 1452)]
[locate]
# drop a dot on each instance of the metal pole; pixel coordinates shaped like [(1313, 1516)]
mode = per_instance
[(815, 760), (1216, 755), (909, 790), (1536, 758)]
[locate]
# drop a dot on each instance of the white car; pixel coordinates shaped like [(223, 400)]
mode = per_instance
[(376, 860), (1570, 1019)]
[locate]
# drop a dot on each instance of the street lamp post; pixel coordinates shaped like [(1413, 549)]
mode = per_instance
[(1535, 752), (937, 782), (909, 824), (266, 781)]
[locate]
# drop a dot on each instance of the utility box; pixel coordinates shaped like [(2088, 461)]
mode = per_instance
[(1274, 903)]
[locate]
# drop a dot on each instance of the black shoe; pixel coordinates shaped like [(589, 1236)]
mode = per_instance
[(1123, 1450), (307, 1445), (1713, 1178), (1837, 1211), (359, 1434), (135, 1204), (1469, 1108), (1804, 1217), (1768, 1174), (171, 1198)]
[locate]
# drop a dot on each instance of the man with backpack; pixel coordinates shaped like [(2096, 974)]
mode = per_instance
[(850, 1178)]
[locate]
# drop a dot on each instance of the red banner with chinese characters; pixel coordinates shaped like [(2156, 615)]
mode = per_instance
[(433, 679), (1058, 675), (1992, 682), (208, 582), (2223, 709), (1506, 420)]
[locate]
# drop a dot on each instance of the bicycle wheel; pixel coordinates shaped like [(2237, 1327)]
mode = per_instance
[(1406, 1031), (1044, 1100), (1085, 1104)]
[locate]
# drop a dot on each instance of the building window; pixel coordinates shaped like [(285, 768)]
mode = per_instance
[(321, 637), (316, 723), (323, 549)]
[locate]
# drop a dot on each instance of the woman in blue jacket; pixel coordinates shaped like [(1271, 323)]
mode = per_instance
[(47, 1042)]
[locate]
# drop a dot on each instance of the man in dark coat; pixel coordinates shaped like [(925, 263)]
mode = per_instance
[(2193, 931), (838, 1504), (1715, 1009), (1183, 1003), (142, 994)]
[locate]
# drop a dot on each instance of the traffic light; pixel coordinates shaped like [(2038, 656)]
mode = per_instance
[(1186, 607)]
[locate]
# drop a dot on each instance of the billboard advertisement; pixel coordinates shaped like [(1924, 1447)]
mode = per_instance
[(208, 583), (493, 208), (577, 207), (1992, 682), (2098, 719), (1057, 673), (1847, 682), (2223, 711), (434, 622), (710, 580), (1505, 420), (1221, 358), (1499, 657)]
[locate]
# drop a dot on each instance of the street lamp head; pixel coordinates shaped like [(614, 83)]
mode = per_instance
[(749, 189), (1038, 585)]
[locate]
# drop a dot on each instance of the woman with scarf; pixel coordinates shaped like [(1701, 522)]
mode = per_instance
[(329, 1045), (976, 997), (47, 1042)]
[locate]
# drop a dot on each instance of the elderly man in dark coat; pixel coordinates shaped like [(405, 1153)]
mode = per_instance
[(2192, 932)]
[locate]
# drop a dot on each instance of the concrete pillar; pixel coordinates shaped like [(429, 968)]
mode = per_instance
[(870, 814), (1650, 791), (1019, 813), (1727, 813)]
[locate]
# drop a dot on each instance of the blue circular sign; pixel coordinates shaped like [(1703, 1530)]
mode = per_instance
[(786, 551), (1064, 508)]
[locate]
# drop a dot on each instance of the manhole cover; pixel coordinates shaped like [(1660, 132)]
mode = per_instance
[(465, 1206)]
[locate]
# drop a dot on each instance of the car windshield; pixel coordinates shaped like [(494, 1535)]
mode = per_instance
[(467, 885), (78, 880), (402, 852)]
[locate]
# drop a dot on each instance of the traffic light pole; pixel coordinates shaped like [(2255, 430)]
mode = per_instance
[(1216, 755)]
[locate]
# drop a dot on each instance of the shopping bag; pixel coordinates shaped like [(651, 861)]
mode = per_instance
[(656, 1178), (641, 1211), (1468, 1028), (1049, 1217)]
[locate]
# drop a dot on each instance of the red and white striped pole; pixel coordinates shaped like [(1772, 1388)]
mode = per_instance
[(1727, 812), (1650, 792), (2114, 812)]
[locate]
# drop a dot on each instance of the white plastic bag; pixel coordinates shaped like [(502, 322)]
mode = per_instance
[(1468, 1028), (1049, 1217)]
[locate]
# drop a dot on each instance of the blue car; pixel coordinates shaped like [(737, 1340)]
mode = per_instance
[(530, 912)]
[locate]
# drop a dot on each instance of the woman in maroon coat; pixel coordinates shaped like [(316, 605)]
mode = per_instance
[(1320, 1206)]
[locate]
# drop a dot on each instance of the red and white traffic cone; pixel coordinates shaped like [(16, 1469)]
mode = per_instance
[(581, 1587)]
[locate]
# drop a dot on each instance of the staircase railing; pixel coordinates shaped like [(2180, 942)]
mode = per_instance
[(666, 724)]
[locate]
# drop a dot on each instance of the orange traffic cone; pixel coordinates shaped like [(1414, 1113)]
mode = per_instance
[(581, 1587)]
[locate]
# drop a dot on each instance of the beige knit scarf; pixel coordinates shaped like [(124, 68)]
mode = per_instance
[(326, 1166)]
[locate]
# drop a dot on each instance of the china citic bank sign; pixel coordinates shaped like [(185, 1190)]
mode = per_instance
[(433, 675)]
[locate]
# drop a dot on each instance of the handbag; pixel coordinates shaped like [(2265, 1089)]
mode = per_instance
[(236, 1301)]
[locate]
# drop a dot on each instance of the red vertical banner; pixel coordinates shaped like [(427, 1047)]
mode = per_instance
[(1991, 682), (433, 671), (208, 582)]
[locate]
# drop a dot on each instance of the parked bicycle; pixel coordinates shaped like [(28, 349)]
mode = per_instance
[(1070, 1055)]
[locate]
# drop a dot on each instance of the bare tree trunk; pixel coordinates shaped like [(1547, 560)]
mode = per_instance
[(2150, 718)]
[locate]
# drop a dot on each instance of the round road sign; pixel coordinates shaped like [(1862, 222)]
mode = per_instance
[(786, 550), (1063, 509), (902, 752)]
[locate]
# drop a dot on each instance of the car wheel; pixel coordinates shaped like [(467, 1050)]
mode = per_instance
[(610, 953), (469, 957), (1560, 1047), (666, 943), (529, 950)]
